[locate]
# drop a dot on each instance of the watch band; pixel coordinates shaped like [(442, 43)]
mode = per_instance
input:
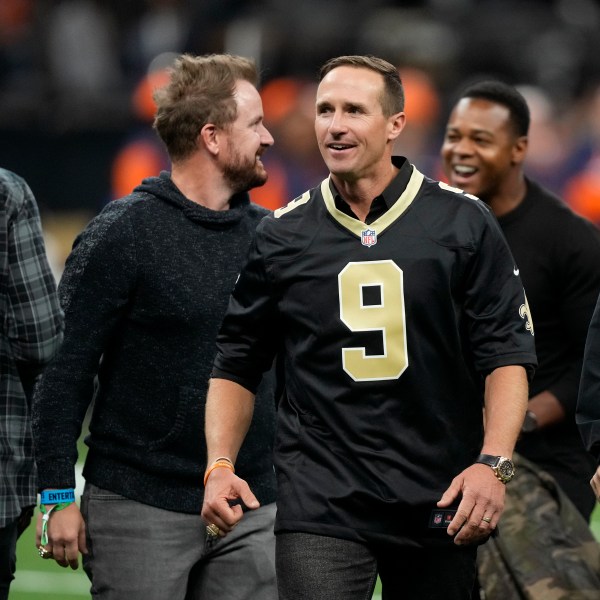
[(488, 459), (503, 467)]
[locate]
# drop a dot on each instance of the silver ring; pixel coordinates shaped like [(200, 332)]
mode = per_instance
[(487, 519), (212, 530), (43, 552)]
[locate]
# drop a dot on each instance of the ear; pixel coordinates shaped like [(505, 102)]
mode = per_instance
[(209, 137), (519, 150), (396, 124)]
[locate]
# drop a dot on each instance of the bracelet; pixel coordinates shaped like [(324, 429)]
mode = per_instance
[(47, 512), (223, 458), (216, 465), (57, 496)]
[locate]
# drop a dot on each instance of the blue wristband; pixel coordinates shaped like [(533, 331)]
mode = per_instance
[(57, 496)]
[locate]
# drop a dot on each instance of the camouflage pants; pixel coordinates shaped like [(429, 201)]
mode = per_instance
[(544, 550)]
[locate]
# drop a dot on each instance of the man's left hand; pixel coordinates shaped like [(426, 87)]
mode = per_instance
[(481, 504)]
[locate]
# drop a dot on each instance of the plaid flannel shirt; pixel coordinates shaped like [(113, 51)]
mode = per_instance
[(31, 325)]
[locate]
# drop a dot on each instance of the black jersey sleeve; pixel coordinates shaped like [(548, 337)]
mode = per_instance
[(247, 341), (500, 326)]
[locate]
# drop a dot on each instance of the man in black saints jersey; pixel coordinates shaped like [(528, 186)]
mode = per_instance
[(396, 306)]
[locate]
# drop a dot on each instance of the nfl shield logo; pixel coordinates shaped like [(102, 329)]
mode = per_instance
[(437, 519), (368, 237)]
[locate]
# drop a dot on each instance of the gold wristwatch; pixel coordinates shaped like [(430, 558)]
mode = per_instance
[(504, 468)]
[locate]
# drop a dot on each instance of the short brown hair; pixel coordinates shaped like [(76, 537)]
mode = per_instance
[(392, 99), (201, 91)]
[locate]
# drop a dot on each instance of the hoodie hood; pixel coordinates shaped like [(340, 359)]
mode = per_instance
[(163, 188)]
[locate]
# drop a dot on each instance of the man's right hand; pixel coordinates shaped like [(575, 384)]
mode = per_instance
[(222, 494), (66, 535)]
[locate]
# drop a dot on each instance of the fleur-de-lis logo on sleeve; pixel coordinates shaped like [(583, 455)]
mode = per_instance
[(525, 313)]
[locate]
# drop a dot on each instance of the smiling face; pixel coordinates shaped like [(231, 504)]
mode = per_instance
[(481, 153), (247, 139), (354, 136)]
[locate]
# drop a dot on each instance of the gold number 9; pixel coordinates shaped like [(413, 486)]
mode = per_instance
[(387, 317)]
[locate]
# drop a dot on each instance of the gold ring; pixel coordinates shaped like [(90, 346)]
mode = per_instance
[(212, 530), (44, 553), (487, 519)]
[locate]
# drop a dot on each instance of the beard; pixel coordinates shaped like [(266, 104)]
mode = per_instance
[(243, 174)]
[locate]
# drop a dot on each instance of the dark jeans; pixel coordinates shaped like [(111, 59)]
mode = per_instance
[(8, 549), (314, 567)]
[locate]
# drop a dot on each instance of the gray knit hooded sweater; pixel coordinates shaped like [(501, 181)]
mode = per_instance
[(144, 292)]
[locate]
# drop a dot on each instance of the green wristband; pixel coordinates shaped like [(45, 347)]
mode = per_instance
[(47, 512)]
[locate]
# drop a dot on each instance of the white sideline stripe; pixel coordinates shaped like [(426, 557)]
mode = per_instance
[(79, 481), (71, 584)]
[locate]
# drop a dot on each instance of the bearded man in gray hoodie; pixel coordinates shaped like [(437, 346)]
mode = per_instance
[(144, 291)]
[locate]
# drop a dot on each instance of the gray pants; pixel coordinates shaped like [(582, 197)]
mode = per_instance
[(139, 552)]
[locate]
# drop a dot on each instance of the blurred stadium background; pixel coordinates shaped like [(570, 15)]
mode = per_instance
[(75, 102), (76, 79)]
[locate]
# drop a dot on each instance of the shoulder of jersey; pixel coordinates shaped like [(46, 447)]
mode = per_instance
[(456, 200), (293, 226), (450, 217), (297, 214), (297, 208), (456, 195)]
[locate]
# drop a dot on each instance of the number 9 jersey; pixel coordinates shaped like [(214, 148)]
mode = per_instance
[(387, 332)]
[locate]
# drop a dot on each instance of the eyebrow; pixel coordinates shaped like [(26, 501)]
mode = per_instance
[(346, 105), (471, 131)]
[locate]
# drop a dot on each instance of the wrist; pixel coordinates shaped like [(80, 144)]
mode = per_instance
[(220, 463), (61, 496), (502, 466), (46, 512)]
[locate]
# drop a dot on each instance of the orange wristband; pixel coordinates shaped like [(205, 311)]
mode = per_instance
[(216, 465)]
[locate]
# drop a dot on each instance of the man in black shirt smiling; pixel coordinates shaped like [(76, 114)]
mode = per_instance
[(558, 256)]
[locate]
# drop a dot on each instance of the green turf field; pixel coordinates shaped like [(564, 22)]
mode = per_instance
[(38, 579)]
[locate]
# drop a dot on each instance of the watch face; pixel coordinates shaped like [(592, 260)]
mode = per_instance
[(506, 470)]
